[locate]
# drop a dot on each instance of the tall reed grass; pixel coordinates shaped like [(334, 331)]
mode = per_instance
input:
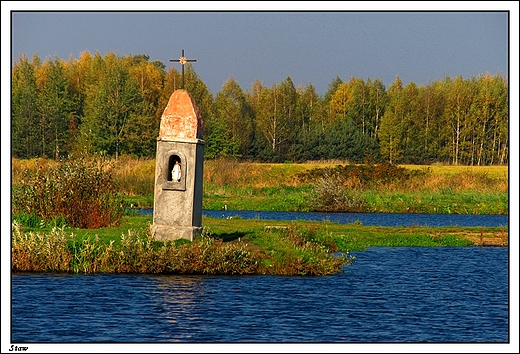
[(139, 253), (230, 183), (390, 188), (134, 176), (77, 190), (233, 173)]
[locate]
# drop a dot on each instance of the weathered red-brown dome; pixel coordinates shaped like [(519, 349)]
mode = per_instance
[(181, 119)]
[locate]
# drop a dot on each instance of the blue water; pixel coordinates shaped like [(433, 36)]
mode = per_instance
[(372, 219), (395, 295)]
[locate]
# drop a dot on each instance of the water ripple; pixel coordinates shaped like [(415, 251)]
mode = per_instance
[(387, 295)]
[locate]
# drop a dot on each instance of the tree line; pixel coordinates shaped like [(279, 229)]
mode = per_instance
[(113, 105)]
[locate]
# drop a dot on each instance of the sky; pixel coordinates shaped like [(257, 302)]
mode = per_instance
[(307, 46)]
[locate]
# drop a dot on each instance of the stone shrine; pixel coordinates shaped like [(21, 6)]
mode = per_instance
[(179, 171)]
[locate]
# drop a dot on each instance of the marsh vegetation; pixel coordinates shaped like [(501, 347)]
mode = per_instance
[(75, 216)]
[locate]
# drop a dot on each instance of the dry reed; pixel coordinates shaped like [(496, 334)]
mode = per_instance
[(139, 253)]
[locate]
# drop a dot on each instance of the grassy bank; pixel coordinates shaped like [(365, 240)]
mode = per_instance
[(299, 187), (227, 246), (336, 188), (235, 246), (369, 201), (295, 251)]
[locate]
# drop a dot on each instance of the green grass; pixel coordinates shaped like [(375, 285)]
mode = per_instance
[(82, 251), (439, 202), (145, 201), (289, 198), (349, 237), (236, 246), (278, 187), (360, 239), (286, 198), (137, 222), (227, 246)]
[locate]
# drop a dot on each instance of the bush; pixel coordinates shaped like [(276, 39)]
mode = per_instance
[(339, 188), (36, 252), (331, 195), (362, 177), (77, 192), (312, 254)]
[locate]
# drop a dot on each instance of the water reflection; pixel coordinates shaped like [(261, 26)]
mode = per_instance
[(177, 303)]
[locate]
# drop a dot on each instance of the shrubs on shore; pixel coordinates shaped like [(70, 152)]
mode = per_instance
[(80, 193), (392, 188), (77, 192), (137, 252), (295, 187)]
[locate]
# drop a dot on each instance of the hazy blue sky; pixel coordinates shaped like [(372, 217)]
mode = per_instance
[(310, 47)]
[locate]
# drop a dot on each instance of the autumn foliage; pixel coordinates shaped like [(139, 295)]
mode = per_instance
[(77, 190)]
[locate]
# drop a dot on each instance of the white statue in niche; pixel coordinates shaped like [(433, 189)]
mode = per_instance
[(176, 172)]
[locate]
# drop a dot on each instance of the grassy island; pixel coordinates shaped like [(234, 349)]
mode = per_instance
[(118, 241)]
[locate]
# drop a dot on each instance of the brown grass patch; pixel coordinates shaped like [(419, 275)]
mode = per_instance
[(497, 238)]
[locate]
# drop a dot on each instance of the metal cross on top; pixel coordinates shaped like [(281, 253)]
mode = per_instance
[(183, 60)]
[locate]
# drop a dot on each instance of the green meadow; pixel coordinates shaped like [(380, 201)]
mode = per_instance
[(234, 185), (227, 246), (118, 240)]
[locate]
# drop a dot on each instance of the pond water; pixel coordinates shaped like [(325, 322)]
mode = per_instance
[(369, 219), (387, 295)]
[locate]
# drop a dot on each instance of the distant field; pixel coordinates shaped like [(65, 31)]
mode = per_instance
[(238, 185), (491, 171), (136, 176)]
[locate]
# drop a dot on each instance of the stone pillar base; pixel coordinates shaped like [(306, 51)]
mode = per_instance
[(167, 232)]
